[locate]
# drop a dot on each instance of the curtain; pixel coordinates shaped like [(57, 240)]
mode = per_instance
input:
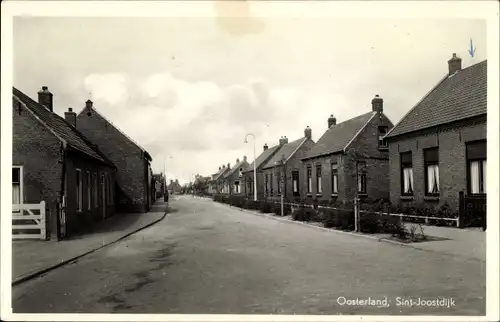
[(432, 179), (295, 188), (320, 186), (484, 176), (309, 186), (408, 180), (16, 193), (335, 184), (474, 177)]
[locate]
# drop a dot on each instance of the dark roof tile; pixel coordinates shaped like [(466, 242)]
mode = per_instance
[(455, 98), (286, 150)]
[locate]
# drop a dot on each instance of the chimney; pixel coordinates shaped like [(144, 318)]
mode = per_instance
[(229, 165), (171, 181), (223, 166), (245, 158), (70, 117), (283, 140), (237, 160), (454, 64), (45, 98), (332, 121), (377, 104), (308, 132), (176, 180), (265, 147), (89, 104), (220, 168)]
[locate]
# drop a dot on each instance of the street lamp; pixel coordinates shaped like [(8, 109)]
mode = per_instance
[(281, 164), (254, 167)]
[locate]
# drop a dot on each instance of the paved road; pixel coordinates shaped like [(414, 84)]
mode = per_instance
[(208, 258)]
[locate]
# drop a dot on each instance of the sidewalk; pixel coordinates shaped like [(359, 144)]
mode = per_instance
[(469, 243), (32, 258)]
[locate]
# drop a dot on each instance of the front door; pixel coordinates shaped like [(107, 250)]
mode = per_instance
[(103, 196)]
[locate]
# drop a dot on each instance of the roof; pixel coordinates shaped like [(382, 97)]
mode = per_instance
[(263, 158), (219, 173), (235, 167), (461, 96), (146, 153), (338, 137), (287, 150), (62, 129)]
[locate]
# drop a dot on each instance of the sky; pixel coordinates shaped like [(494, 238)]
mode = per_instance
[(188, 90)]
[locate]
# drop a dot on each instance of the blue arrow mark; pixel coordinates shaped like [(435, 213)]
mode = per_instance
[(472, 50)]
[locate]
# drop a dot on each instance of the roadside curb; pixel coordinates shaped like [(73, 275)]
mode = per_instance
[(72, 259), (383, 240)]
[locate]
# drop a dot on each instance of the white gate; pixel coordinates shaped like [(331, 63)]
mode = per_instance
[(29, 217)]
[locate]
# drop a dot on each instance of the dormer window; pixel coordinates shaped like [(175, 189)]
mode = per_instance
[(241, 172), (382, 131)]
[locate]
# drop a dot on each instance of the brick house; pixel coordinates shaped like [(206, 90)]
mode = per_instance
[(159, 185), (285, 166), (233, 179), (439, 147), (248, 175), (174, 187), (54, 162), (217, 182), (351, 158), (134, 175)]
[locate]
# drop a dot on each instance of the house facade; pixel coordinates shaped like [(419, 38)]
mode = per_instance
[(158, 185), (438, 149), (285, 167), (134, 176), (351, 159), (217, 182), (174, 187), (248, 175), (233, 179), (54, 162)]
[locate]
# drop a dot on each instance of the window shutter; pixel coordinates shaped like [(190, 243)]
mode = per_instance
[(431, 155), (476, 150)]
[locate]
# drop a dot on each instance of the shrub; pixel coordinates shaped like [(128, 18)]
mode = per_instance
[(265, 207), (287, 209), (370, 223), (298, 214)]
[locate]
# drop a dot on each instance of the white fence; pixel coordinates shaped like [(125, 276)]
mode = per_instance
[(34, 215)]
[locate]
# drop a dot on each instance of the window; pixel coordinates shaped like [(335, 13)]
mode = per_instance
[(267, 184), (89, 193), (431, 161), (96, 198), (102, 194), (271, 182), (79, 192), (382, 131), (236, 188), (406, 173), (17, 186), (295, 180), (241, 172), (309, 179), (361, 177), (476, 163), (278, 179), (335, 179), (319, 184)]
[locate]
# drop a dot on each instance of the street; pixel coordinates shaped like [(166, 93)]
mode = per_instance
[(209, 258)]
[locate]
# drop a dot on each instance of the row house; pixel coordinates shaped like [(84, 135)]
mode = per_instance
[(260, 161), (438, 148), (56, 163), (158, 185), (351, 159), (134, 176), (174, 187), (233, 178), (217, 182), (283, 172)]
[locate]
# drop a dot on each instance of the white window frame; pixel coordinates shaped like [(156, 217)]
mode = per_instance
[(319, 177), (309, 179), (89, 190), (335, 178), (382, 143), (21, 182), (79, 186)]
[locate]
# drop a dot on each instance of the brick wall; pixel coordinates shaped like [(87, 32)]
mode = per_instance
[(105, 207), (451, 142), (132, 175), (38, 151)]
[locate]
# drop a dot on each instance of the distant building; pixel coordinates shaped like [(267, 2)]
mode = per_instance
[(174, 187), (248, 174), (134, 175), (233, 179), (54, 162), (282, 173)]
